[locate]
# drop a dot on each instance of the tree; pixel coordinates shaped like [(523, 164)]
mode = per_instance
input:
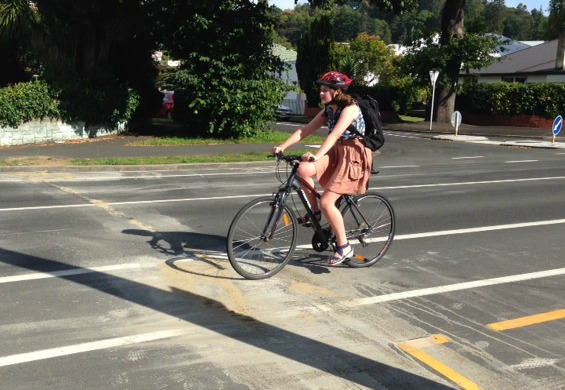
[(493, 15), (98, 65), (227, 69), (293, 24), (556, 19), (313, 57), (372, 57), (452, 53), (16, 21)]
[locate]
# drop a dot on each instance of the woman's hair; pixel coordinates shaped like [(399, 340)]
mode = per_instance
[(342, 99)]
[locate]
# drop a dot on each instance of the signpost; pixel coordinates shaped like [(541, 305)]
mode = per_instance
[(433, 78), (557, 125), (456, 121)]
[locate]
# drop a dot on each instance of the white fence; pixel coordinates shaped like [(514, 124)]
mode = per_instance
[(45, 131)]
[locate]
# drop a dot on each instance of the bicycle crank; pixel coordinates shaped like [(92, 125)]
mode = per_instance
[(320, 240)]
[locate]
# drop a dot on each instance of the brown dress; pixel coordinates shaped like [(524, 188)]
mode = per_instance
[(347, 168)]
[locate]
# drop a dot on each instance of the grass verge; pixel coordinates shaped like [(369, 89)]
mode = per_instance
[(204, 159), (273, 138)]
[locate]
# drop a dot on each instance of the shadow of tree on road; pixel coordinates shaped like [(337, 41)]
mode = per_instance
[(205, 312)]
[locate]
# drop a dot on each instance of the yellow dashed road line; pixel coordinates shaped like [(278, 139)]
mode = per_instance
[(527, 321)]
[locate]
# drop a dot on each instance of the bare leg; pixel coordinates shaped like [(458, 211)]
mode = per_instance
[(333, 215), (307, 171), (335, 220)]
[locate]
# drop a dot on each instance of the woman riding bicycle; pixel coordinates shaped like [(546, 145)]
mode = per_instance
[(342, 164)]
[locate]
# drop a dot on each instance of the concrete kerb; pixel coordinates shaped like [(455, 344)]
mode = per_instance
[(515, 143), (130, 168)]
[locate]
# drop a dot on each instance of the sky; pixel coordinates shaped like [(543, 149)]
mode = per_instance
[(531, 4)]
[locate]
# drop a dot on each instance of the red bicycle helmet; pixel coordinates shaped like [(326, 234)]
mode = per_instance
[(335, 80)]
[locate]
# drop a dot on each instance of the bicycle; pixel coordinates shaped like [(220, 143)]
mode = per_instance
[(263, 234)]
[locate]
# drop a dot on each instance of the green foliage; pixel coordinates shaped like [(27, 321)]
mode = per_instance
[(101, 99), (470, 51), (227, 67), (231, 108), (373, 57), (390, 97), (415, 21), (313, 59), (94, 63), (556, 19), (27, 101), (15, 16), (541, 99)]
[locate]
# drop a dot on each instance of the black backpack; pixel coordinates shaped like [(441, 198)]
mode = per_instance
[(374, 137)]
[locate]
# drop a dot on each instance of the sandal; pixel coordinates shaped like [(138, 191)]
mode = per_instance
[(306, 220), (343, 253)]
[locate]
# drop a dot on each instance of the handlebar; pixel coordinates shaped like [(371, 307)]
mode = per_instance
[(291, 159)]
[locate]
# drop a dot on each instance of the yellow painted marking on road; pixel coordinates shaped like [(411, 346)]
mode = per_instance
[(527, 321), (414, 349)]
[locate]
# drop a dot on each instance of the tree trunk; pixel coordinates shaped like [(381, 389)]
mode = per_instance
[(452, 27)]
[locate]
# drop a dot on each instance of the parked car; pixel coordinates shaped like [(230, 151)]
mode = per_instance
[(182, 113), (283, 112), (168, 105)]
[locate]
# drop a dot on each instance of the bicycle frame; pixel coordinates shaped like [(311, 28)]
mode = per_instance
[(263, 235), (298, 184)]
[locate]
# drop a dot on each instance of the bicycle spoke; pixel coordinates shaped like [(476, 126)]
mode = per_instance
[(369, 226), (255, 253)]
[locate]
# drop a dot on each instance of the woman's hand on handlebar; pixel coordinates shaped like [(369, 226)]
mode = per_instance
[(308, 157), (277, 150)]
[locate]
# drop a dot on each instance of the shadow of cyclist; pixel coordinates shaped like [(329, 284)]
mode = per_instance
[(211, 249)]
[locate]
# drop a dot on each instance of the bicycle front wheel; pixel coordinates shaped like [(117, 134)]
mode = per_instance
[(261, 238), (369, 226)]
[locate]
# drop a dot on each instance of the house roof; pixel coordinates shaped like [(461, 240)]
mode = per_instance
[(535, 59), (286, 55), (507, 46)]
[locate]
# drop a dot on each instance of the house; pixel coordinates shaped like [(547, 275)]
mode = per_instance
[(294, 99), (542, 63)]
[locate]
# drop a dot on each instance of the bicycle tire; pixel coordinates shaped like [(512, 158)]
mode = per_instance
[(370, 242), (253, 257)]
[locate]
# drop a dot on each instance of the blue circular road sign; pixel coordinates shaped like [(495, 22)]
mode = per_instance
[(557, 125)]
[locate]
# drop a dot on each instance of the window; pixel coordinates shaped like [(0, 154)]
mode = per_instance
[(512, 79)]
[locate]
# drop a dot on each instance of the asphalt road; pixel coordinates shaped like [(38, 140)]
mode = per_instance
[(119, 280)]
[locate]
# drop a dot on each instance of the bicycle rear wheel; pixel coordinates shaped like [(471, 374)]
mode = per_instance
[(261, 239), (369, 228)]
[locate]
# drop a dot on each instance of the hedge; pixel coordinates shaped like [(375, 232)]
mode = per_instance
[(24, 102), (540, 99)]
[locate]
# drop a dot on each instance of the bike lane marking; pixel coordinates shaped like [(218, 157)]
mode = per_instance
[(89, 346), (452, 287), (71, 272)]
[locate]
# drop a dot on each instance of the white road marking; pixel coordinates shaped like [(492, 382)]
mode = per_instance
[(468, 183), (64, 206), (399, 166), (520, 161), (479, 229), (87, 347), (214, 198), (70, 272), (467, 158), (452, 287)]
